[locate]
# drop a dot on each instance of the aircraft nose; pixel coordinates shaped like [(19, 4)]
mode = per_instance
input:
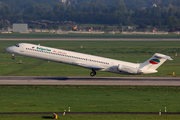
[(9, 49)]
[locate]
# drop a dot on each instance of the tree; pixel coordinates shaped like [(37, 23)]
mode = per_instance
[(6, 10), (106, 27), (2, 25), (113, 9), (83, 9), (172, 22), (93, 8), (58, 7), (142, 26), (20, 21), (122, 9), (104, 9), (71, 8), (43, 26), (157, 24), (120, 27), (32, 26)]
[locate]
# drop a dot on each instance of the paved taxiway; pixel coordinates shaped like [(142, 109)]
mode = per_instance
[(39, 80)]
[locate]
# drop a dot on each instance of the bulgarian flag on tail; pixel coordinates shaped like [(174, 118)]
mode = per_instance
[(154, 61)]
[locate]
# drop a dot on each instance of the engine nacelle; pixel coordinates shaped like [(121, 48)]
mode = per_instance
[(129, 70)]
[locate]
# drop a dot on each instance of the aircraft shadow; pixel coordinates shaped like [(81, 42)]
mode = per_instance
[(104, 78), (90, 78), (47, 117)]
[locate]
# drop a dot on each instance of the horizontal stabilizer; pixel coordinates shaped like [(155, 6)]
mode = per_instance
[(157, 55)]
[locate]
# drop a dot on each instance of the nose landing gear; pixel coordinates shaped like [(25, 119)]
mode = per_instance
[(13, 56), (93, 73)]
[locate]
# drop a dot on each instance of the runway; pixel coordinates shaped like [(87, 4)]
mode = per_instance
[(91, 39), (39, 80)]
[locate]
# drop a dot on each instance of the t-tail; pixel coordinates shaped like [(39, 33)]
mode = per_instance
[(153, 63)]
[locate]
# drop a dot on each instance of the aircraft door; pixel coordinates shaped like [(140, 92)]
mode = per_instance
[(21, 48)]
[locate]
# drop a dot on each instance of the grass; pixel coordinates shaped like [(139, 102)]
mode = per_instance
[(92, 117), (132, 51), (89, 98), (75, 35)]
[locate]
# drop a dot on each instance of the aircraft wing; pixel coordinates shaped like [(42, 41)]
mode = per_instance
[(90, 66)]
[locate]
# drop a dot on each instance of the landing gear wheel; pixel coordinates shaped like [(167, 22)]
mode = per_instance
[(93, 73), (13, 56)]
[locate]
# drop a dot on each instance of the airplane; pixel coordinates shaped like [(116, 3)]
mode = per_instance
[(95, 63)]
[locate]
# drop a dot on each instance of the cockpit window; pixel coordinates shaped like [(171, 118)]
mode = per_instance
[(17, 45)]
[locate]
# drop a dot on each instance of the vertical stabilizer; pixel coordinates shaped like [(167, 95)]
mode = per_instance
[(153, 63)]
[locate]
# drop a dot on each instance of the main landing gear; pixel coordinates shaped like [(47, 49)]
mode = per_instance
[(13, 56), (93, 73)]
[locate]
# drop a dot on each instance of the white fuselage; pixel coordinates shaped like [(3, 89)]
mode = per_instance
[(74, 58)]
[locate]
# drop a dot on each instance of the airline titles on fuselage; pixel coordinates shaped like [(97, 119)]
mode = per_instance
[(55, 52)]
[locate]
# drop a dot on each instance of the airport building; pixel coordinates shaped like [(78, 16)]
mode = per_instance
[(64, 1), (20, 27)]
